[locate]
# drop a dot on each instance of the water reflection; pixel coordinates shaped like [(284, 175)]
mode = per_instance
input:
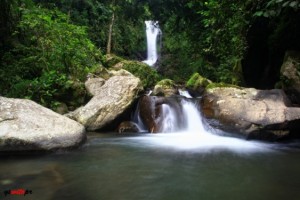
[(158, 166)]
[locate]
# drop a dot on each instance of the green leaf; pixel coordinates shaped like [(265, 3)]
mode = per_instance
[(270, 3), (294, 4), (285, 4), (259, 13), (272, 13), (266, 14)]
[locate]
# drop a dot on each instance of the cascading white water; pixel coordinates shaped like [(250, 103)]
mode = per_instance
[(192, 134), (192, 117), (184, 93), (137, 119), (168, 119), (152, 33)]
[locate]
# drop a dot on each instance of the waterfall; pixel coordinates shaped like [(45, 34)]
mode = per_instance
[(184, 93), (169, 120), (136, 118), (180, 126), (192, 116), (152, 33)]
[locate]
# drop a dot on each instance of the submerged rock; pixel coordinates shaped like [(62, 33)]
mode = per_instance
[(258, 114), (109, 102), (26, 125), (128, 127)]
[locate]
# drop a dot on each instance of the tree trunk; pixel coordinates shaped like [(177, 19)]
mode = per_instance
[(108, 49)]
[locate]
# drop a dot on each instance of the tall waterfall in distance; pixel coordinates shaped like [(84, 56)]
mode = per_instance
[(152, 32)]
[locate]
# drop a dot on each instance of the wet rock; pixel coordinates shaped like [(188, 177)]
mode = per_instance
[(109, 102), (148, 114), (153, 116), (258, 114), (26, 125), (128, 127)]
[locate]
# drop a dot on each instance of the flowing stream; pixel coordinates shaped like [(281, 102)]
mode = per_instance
[(188, 164)]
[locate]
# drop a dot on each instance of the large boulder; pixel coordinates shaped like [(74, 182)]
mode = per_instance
[(26, 125), (148, 75), (109, 102), (290, 76), (258, 114)]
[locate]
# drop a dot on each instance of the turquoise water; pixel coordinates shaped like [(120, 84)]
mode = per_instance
[(157, 167)]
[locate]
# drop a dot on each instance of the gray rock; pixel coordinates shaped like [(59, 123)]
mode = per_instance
[(110, 101), (259, 114), (92, 85), (26, 125)]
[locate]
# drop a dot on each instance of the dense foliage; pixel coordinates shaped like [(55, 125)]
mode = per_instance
[(47, 57), (48, 46)]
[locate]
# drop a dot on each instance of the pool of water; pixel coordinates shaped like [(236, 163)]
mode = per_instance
[(161, 166)]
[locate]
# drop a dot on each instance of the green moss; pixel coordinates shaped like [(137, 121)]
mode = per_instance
[(100, 71), (167, 83), (216, 85), (148, 75), (197, 81), (110, 60)]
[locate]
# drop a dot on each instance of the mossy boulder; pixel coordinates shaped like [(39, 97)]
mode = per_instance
[(197, 84), (147, 75), (165, 87)]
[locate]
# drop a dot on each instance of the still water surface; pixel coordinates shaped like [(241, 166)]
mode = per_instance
[(158, 167)]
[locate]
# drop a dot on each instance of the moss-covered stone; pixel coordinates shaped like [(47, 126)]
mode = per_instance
[(167, 83), (196, 84), (148, 75), (165, 87), (197, 81)]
